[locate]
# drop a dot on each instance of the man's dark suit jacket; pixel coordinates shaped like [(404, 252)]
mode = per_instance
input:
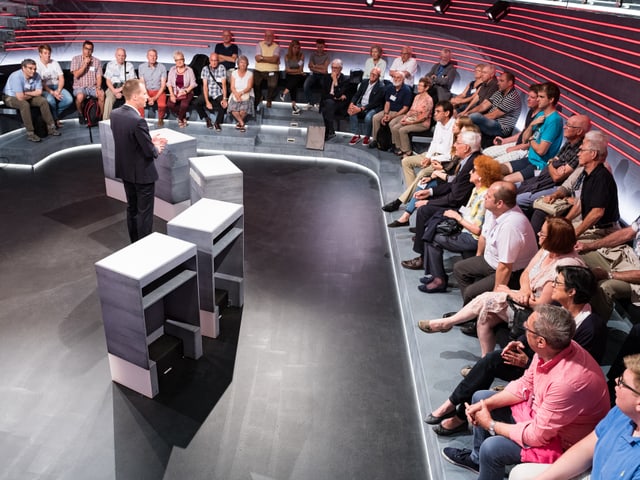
[(338, 91), (376, 98), (456, 193), (135, 151)]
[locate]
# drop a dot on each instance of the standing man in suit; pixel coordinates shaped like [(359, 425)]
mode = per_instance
[(134, 155)]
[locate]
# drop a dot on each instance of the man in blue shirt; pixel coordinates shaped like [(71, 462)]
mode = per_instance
[(398, 99), (23, 91)]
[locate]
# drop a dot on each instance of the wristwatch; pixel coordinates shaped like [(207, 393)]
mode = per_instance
[(492, 428)]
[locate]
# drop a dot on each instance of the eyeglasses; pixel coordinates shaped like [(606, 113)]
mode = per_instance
[(571, 126), (621, 383), (555, 282), (532, 332), (586, 150)]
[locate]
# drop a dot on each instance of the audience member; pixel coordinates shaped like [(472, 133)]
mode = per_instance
[(558, 168), (616, 265), (598, 203), (557, 241), (558, 400), (52, 83), (442, 75), (318, 68), (267, 67), (23, 91), (505, 247), (181, 82), (487, 88), (630, 346), (503, 109), (294, 74), (544, 135), (368, 100), (154, 79), (516, 146), (611, 449), (87, 78), (214, 93), (334, 98), (241, 102), (116, 73), (416, 120), (573, 287), (406, 65), (450, 195), (470, 218), (375, 61), (397, 100), (227, 52), (461, 100)]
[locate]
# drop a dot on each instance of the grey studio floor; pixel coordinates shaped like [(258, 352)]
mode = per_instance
[(310, 381)]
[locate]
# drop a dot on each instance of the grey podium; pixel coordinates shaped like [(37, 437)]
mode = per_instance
[(149, 298), (217, 228)]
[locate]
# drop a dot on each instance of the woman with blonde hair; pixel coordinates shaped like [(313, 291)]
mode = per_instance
[(241, 101), (181, 81)]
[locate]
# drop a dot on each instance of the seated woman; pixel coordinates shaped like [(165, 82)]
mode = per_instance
[(241, 101), (181, 81), (417, 119), (293, 68), (573, 287), (470, 217), (461, 100), (557, 241), (434, 170), (375, 61)]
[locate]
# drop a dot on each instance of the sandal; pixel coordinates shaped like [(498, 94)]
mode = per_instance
[(237, 126), (425, 326), (243, 128)]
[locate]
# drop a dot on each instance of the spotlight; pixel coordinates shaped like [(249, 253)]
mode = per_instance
[(369, 2), (441, 6), (498, 11)]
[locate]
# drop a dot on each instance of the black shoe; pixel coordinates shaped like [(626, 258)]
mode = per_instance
[(426, 280), (431, 420), (392, 206), (82, 120), (460, 457), (209, 124), (470, 328), (396, 224), (373, 144), (329, 136), (412, 230), (437, 285), (447, 432), (448, 314), (217, 127)]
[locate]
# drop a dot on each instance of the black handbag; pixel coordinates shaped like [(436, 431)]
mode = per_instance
[(520, 315), (448, 227)]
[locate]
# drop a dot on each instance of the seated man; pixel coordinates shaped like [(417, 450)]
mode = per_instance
[(154, 78), (559, 399), (616, 265), (214, 92), (611, 450), (334, 98), (405, 65), (450, 195), (558, 168), (318, 66), (506, 245), (53, 89), (598, 203), (516, 146), (442, 75), (397, 100), (439, 151), (87, 78), (487, 88), (544, 134), (115, 75), (503, 109), (368, 100), (23, 91)]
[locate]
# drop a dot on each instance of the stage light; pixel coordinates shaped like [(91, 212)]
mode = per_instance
[(441, 6), (369, 2), (498, 11)]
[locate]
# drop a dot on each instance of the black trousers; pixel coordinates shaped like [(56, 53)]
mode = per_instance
[(331, 109), (139, 209), (202, 109), (423, 215)]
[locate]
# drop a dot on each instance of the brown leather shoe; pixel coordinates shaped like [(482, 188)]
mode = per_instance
[(413, 264), (160, 123)]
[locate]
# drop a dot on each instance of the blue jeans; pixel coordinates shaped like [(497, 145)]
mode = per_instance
[(493, 453), (411, 205), (487, 126), (367, 123), (58, 106)]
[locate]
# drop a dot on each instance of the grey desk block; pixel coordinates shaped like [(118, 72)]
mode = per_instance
[(217, 178)]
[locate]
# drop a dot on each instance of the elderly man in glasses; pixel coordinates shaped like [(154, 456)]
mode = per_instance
[(559, 399)]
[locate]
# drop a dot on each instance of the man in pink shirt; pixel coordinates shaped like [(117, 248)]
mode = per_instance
[(559, 399)]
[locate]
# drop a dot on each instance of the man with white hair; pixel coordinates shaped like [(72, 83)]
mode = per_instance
[(116, 73), (334, 97), (406, 65), (398, 97)]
